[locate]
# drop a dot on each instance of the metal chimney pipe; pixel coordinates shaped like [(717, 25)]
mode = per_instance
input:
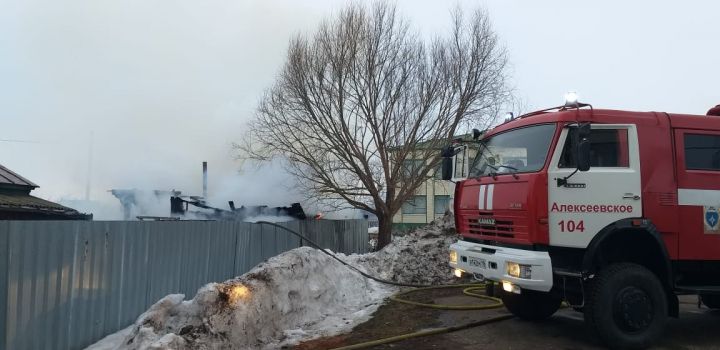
[(205, 181)]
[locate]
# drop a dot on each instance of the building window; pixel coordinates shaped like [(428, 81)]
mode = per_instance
[(608, 148), (415, 205), (442, 204), (702, 152)]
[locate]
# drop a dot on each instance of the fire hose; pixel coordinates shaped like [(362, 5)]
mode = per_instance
[(472, 290)]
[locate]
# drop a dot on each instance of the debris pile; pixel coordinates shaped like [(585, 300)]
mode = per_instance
[(298, 295)]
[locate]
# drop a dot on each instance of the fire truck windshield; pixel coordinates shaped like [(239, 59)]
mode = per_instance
[(520, 150)]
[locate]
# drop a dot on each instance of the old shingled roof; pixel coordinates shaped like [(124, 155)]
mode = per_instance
[(24, 202), (9, 177), (16, 203)]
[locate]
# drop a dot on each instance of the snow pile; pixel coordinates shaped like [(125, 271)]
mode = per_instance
[(419, 257), (298, 295)]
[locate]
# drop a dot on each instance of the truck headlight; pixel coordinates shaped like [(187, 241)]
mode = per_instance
[(453, 257), (510, 288), (519, 270)]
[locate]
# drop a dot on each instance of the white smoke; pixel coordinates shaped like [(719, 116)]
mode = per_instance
[(253, 185), (161, 86)]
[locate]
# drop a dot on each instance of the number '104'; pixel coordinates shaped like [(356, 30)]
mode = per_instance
[(571, 226)]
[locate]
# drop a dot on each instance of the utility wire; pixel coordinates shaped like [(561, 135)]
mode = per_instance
[(18, 141)]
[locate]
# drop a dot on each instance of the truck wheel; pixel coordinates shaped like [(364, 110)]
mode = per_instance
[(626, 306), (531, 305), (711, 300)]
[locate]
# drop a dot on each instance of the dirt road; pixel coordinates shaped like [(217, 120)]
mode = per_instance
[(695, 329)]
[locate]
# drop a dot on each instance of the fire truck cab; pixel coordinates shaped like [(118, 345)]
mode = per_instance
[(614, 212)]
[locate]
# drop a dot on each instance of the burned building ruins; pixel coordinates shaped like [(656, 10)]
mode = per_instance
[(143, 205)]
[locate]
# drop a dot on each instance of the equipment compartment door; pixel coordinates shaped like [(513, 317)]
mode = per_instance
[(608, 192), (698, 174)]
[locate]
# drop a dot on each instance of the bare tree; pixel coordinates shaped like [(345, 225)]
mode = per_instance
[(361, 108)]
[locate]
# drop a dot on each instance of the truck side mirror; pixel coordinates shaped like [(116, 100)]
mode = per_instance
[(447, 168), (582, 146), (583, 155), (583, 131), (448, 156)]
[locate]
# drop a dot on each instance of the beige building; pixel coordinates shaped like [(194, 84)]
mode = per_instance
[(434, 197), (431, 201)]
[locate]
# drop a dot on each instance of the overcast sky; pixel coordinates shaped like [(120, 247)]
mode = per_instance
[(161, 85)]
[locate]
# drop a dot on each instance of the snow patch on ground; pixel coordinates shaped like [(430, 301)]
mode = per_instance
[(295, 296)]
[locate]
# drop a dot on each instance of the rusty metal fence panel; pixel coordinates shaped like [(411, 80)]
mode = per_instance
[(66, 284)]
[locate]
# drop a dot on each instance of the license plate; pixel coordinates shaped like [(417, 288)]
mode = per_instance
[(477, 262)]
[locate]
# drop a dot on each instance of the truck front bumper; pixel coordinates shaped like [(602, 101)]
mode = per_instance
[(490, 262)]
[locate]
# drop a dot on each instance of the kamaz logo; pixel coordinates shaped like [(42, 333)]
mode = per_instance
[(486, 221)]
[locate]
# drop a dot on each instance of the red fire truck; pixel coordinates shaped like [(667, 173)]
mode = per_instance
[(614, 212)]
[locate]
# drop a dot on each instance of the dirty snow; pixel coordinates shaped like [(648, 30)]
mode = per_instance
[(419, 257), (295, 296)]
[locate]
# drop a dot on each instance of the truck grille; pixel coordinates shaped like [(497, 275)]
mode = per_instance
[(501, 228), (509, 226)]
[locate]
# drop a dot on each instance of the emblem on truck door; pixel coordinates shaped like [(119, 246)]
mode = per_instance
[(711, 220)]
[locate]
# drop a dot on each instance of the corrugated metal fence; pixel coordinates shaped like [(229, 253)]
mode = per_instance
[(67, 284)]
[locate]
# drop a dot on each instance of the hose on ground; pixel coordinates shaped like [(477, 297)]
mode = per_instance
[(425, 333), (472, 290)]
